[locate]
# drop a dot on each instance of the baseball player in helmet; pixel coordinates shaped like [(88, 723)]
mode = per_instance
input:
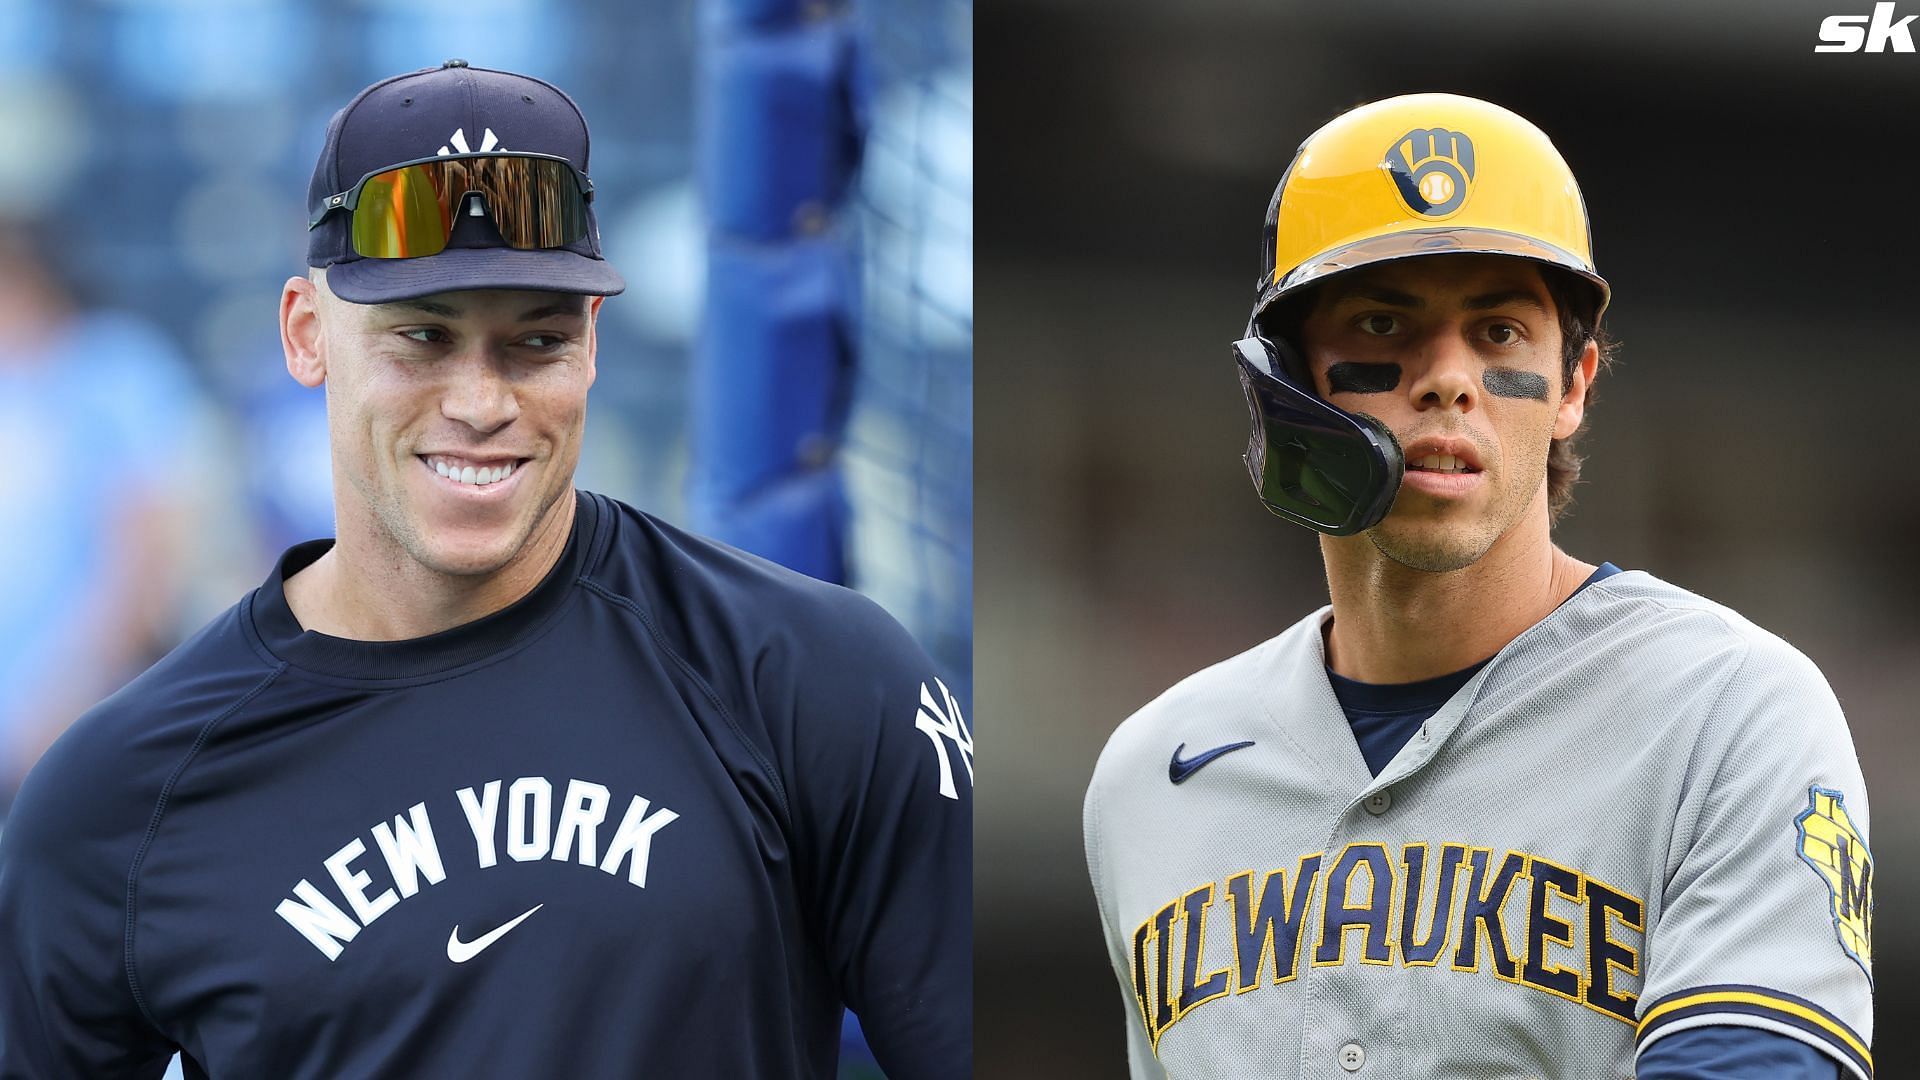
[(507, 779), (1494, 811)]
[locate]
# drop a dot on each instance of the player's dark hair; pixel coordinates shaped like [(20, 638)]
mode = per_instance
[(1573, 301)]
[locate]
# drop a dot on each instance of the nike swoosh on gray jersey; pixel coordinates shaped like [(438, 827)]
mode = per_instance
[(1178, 770)]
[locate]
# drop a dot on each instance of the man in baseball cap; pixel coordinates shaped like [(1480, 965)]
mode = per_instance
[(508, 779), (456, 178)]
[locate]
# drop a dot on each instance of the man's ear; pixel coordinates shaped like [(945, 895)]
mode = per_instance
[(300, 331), (593, 336), (1573, 403)]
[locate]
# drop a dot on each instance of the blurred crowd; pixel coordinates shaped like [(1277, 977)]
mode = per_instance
[(110, 440)]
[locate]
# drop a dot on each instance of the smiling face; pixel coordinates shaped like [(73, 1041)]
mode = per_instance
[(1460, 355), (455, 419)]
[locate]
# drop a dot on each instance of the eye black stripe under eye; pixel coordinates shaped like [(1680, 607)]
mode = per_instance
[(1510, 383), (1349, 378)]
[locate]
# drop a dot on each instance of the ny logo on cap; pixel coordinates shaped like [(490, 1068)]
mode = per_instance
[(458, 143)]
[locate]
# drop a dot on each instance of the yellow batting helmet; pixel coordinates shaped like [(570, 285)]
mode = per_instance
[(1424, 174)]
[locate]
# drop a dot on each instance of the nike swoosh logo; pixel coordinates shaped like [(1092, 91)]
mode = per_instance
[(1178, 770), (462, 951)]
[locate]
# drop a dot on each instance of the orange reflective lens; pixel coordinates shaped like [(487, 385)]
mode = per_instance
[(408, 211)]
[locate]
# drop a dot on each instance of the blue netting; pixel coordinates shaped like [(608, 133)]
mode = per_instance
[(909, 453), (778, 151), (833, 417)]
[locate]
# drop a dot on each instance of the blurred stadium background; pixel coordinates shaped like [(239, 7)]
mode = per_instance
[(1751, 204), (154, 156)]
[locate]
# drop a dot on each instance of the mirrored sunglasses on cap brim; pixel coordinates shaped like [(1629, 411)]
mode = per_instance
[(407, 211)]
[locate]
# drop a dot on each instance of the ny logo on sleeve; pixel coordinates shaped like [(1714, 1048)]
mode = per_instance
[(939, 718)]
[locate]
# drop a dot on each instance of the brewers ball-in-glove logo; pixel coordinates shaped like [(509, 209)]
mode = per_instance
[(1433, 170), (1831, 844)]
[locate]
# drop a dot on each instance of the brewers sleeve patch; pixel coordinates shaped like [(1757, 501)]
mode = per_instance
[(1831, 844)]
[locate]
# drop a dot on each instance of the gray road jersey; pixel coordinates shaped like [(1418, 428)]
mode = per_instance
[(1645, 814)]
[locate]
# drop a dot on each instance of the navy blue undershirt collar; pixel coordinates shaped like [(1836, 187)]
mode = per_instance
[(284, 637), (1394, 698), (1385, 715)]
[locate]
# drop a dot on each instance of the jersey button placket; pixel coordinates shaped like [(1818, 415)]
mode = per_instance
[(1351, 1057), (1379, 802)]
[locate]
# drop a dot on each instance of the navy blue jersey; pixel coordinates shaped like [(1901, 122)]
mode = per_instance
[(661, 817)]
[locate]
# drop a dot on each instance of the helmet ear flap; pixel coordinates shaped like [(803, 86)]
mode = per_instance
[(1278, 321), (1290, 359)]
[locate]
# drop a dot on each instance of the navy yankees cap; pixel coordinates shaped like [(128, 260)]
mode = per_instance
[(451, 178)]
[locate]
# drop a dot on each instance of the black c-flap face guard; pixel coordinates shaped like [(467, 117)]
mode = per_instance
[(1333, 471)]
